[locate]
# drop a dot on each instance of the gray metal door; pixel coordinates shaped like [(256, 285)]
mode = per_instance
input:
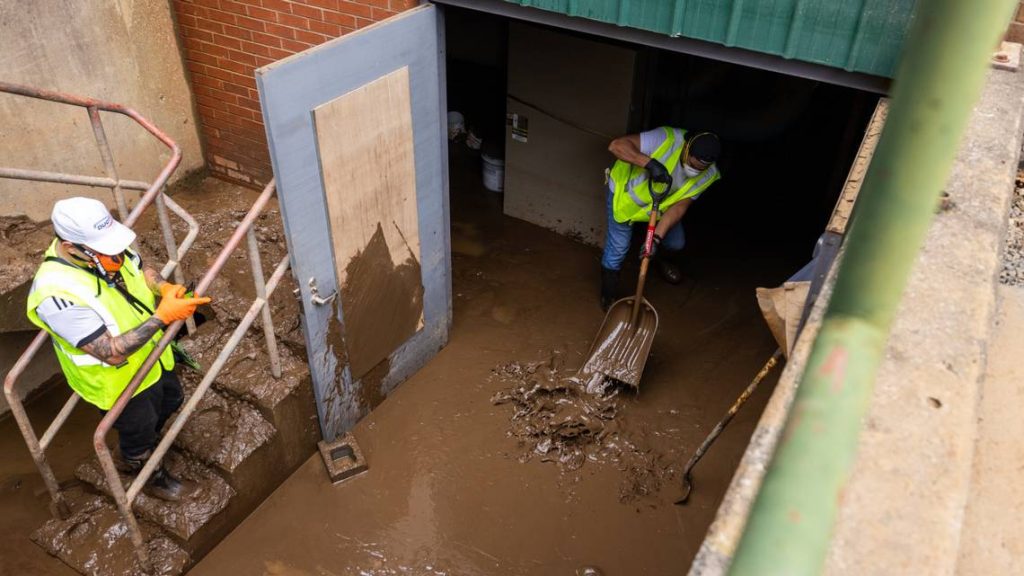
[(359, 151)]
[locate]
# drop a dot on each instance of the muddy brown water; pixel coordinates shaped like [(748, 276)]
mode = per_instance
[(457, 486)]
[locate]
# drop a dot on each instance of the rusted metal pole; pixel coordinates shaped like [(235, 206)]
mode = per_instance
[(62, 178), (108, 160), (197, 396), (59, 505), (261, 294), (99, 437)]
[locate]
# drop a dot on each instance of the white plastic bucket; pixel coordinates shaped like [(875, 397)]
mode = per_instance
[(456, 124), (494, 173)]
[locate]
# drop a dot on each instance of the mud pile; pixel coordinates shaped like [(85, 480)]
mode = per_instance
[(22, 243), (556, 419)]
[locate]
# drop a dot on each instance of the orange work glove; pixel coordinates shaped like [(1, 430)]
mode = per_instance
[(173, 307), (166, 288)]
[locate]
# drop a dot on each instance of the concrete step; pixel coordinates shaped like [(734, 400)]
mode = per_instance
[(95, 541), (223, 431), (210, 495)]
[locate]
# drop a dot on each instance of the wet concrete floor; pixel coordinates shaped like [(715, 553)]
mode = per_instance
[(448, 489)]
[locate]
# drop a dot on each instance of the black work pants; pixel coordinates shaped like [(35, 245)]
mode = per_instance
[(138, 427)]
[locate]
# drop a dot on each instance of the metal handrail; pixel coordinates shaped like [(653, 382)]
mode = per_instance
[(125, 498), (152, 192)]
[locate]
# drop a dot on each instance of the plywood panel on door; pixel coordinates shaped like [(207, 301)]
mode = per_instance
[(365, 149)]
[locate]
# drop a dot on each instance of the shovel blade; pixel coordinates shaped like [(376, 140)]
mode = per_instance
[(620, 349)]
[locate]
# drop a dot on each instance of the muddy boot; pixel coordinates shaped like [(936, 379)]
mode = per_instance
[(165, 486), (162, 484), (669, 270), (609, 287)]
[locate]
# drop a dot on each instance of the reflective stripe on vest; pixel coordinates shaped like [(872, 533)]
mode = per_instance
[(95, 381), (631, 200)]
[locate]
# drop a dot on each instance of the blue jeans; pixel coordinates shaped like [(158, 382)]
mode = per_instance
[(616, 240)]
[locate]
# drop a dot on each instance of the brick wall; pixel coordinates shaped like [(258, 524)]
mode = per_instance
[(224, 41)]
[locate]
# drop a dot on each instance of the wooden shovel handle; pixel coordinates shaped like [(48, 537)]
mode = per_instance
[(648, 243)]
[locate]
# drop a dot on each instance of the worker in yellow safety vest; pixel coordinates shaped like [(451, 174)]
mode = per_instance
[(678, 164), (97, 301)]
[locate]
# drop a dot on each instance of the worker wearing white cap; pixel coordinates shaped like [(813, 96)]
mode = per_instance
[(98, 303)]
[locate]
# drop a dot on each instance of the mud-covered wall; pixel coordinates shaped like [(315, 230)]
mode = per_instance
[(124, 51)]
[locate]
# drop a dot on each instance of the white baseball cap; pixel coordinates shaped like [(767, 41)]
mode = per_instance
[(87, 221)]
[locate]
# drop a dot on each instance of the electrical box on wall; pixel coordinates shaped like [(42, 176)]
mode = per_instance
[(567, 98)]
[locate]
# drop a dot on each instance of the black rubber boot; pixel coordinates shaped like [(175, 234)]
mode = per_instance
[(668, 269), (609, 287), (162, 484)]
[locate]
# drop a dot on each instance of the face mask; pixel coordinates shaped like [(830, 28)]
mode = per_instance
[(106, 264), (690, 171)]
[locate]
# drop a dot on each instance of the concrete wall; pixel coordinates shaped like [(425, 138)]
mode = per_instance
[(123, 51)]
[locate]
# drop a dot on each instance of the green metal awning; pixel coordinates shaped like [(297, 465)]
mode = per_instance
[(854, 35)]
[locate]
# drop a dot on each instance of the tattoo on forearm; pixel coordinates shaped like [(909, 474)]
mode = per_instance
[(115, 349), (153, 279)]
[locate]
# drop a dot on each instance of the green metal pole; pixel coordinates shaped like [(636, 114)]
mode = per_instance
[(941, 73)]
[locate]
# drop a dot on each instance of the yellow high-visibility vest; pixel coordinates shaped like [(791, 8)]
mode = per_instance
[(631, 200), (95, 381)]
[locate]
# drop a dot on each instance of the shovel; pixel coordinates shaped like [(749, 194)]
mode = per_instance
[(620, 350)]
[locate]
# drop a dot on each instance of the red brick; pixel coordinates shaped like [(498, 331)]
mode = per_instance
[(378, 14), (255, 50), (278, 54), (204, 80), (208, 3), (186, 21), (232, 6), (354, 8), (277, 5), (236, 32), (236, 91), (293, 21), (202, 58), (198, 34), (249, 103), (260, 38), (192, 43), (363, 22), (190, 9), (218, 47), (310, 37), (261, 14), (385, 4), (331, 30), (236, 67), (196, 67), (251, 23), (293, 46), (225, 17), (211, 102), (325, 4), (310, 12), (243, 58), (224, 95), (210, 26), (225, 43), (346, 20), (280, 31), (401, 5), (239, 111), (220, 74), (247, 80)]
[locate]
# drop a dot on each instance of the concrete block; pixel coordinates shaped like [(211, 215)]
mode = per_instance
[(343, 458), (183, 519)]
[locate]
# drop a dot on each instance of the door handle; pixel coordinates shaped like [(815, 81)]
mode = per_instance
[(316, 298)]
